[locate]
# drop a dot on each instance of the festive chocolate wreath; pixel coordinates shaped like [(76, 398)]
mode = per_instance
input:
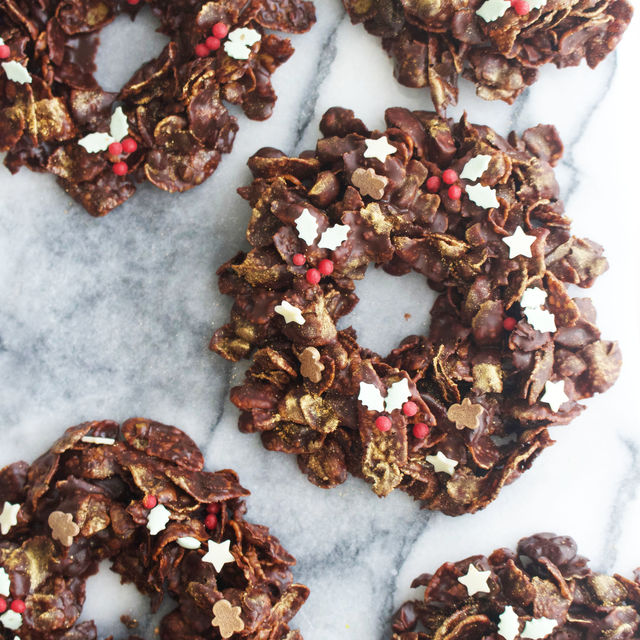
[(543, 589), (497, 44), (137, 496), (450, 417), (168, 124)]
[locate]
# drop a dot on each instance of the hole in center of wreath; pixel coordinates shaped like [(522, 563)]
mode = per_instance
[(390, 309), (120, 610), (125, 45)]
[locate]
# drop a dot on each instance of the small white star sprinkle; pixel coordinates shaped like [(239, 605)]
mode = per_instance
[(554, 395), (533, 297), (538, 628), (440, 462), (493, 9), (379, 149), (509, 625), (5, 582), (119, 125), (289, 312), (218, 554), (240, 41), (98, 440), (371, 397), (541, 319), (475, 167), (483, 196), (157, 519), (11, 620), (475, 581), (307, 227), (8, 517), (187, 542), (333, 237), (96, 142), (16, 72), (519, 244)]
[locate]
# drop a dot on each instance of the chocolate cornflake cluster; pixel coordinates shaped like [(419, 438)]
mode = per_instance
[(137, 495), (450, 417), (220, 51), (543, 589), (496, 44)]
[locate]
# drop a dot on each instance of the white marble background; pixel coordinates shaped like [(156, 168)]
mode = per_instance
[(110, 318)]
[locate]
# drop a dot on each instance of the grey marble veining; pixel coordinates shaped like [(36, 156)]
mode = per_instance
[(111, 318)]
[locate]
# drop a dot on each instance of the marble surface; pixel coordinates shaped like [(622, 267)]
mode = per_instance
[(111, 318)]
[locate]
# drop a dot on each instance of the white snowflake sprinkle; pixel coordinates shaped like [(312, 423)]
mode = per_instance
[(493, 9), (307, 226), (538, 628), (533, 297), (509, 625), (8, 517), (475, 167), (240, 41), (5, 581), (541, 320), (157, 519), (483, 196), (333, 237), (11, 620)]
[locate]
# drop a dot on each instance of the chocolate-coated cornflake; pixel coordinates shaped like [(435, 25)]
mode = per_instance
[(496, 44), (137, 495), (174, 105), (450, 417), (542, 590)]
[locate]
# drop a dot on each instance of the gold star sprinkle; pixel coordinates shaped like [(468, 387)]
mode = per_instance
[(369, 183), (311, 367), (63, 528), (227, 618), (466, 414)]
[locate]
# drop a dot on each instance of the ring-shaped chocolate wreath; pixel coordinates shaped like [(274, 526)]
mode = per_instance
[(139, 497), (168, 124), (496, 44), (450, 417)]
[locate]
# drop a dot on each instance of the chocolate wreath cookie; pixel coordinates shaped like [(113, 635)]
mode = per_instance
[(169, 124), (496, 44), (137, 495), (542, 590), (450, 417)]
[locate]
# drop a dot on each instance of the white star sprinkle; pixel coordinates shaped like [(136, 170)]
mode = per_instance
[(289, 313), (5, 582), (187, 542), (519, 244), (98, 440), (509, 625), (493, 9), (440, 462), (333, 237), (16, 72), (11, 620), (483, 196), (541, 319), (119, 127), (554, 395), (8, 517), (307, 227), (538, 628), (533, 297), (157, 519), (240, 41), (218, 554), (379, 149), (475, 581), (96, 142), (475, 167)]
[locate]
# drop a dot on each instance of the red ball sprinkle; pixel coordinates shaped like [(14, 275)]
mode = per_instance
[(120, 168), (313, 276), (5, 52), (129, 145), (433, 184), (410, 409), (325, 267), (383, 423), (213, 43), (509, 323), (211, 521), (298, 259), (521, 7), (18, 606), (3, 605), (133, 2), (449, 176), (148, 502), (454, 192), (220, 30), (420, 430), (202, 50), (115, 148), (213, 507)]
